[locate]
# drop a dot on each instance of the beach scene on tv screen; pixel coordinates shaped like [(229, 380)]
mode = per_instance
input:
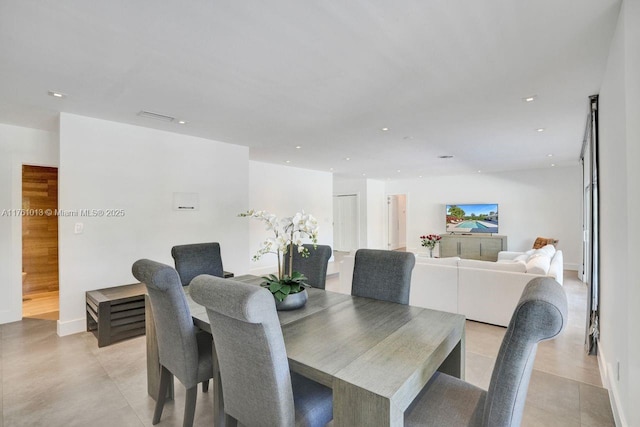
[(472, 218)]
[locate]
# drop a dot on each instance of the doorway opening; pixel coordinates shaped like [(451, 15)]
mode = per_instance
[(40, 286)]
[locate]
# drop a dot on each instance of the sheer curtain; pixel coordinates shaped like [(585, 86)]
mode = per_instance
[(590, 271)]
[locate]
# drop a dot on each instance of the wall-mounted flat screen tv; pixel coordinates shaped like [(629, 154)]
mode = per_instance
[(472, 218)]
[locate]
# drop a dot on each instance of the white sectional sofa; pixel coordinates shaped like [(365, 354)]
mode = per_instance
[(481, 290)]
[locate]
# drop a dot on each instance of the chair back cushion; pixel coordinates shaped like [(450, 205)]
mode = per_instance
[(198, 258), (540, 315), (383, 275), (177, 344), (250, 347), (314, 267)]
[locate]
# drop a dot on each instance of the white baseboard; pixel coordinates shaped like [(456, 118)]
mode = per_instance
[(571, 266), (8, 316), (70, 327), (609, 381)]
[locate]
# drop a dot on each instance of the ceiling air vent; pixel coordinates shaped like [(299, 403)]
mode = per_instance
[(156, 116)]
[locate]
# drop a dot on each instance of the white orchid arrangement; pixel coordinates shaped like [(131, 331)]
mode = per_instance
[(287, 232)]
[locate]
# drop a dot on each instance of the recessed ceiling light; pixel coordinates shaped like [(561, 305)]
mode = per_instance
[(398, 171), (330, 169), (384, 129), (58, 95), (364, 174), (530, 98), (549, 155), (553, 164), (540, 130), (446, 156), (287, 161), (479, 171), (419, 176), (298, 146), (182, 122), (347, 158)]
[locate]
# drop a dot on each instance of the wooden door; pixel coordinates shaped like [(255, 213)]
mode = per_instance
[(39, 230)]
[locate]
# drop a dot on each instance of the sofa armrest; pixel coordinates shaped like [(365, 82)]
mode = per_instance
[(556, 269), (490, 296)]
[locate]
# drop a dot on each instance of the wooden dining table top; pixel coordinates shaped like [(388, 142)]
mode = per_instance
[(370, 352)]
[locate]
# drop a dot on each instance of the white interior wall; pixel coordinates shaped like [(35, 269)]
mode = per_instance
[(283, 191), (108, 165), (619, 156), (376, 215), (632, 83), (18, 146), (544, 202)]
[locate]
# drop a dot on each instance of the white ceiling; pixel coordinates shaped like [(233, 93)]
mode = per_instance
[(447, 77)]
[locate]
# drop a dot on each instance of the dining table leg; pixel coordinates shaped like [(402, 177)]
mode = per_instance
[(454, 363), (354, 406)]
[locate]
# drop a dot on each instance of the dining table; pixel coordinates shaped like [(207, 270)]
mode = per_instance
[(375, 355)]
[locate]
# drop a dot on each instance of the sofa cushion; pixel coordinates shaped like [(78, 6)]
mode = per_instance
[(538, 264), (506, 265)]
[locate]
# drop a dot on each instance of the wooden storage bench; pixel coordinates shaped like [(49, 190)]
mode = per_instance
[(116, 313)]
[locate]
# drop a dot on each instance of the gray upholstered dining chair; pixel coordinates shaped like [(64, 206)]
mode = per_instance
[(314, 267), (198, 258), (383, 275), (258, 388), (541, 314), (184, 351)]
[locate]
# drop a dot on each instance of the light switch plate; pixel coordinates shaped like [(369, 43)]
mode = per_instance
[(78, 228)]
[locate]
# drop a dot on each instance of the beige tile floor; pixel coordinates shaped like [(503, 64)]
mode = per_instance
[(46, 380)]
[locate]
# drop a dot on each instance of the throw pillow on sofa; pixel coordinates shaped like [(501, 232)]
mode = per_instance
[(543, 241), (549, 250), (538, 264)]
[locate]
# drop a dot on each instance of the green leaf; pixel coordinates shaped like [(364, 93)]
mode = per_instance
[(275, 287), (285, 289)]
